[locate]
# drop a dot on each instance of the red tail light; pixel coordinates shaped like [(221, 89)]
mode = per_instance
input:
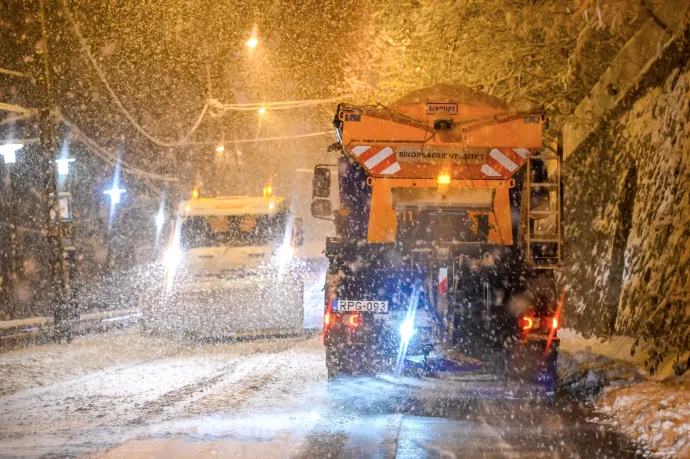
[(327, 319), (354, 321), (526, 323)]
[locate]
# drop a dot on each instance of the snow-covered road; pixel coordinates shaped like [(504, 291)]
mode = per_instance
[(120, 395), (103, 389)]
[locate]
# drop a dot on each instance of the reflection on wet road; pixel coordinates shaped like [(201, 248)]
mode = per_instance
[(127, 396), (468, 428)]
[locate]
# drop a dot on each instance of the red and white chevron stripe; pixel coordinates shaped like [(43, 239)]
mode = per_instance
[(502, 162), (379, 160)]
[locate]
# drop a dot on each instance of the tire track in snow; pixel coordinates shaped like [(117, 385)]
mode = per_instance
[(109, 405)]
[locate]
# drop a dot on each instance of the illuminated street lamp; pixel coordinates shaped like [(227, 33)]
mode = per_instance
[(63, 166), (220, 148), (262, 110), (252, 42), (160, 218), (9, 152), (115, 194)]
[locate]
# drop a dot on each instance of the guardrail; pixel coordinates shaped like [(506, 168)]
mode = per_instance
[(15, 331)]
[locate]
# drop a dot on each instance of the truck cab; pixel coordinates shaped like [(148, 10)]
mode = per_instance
[(231, 270)]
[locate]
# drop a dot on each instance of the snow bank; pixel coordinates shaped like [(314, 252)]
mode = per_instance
[(626, 224), (39, 366), (620, 348), (654, 410), (657, 415)]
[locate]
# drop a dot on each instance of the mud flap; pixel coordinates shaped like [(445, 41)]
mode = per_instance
[(530, 363)]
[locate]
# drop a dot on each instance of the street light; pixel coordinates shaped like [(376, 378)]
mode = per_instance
[(160, 218), (262, 110), (63, 166), (220, 148), (9, 152), (115, 194), (252, 42)]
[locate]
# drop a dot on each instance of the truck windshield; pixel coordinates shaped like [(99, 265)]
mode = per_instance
[(232, 231)]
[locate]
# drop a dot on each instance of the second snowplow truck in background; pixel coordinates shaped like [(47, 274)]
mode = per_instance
[(447, 238)]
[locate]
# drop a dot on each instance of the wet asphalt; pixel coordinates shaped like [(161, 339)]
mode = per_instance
[(411, 427), (272, 400)]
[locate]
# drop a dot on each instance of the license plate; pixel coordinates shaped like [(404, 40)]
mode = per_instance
[(380, 307)]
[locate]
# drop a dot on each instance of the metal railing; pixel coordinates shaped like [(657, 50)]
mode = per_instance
[(15, 332)]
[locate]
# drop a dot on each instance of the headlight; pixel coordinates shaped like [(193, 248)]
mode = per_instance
[(407, 329), (285, 253), (172, 258)]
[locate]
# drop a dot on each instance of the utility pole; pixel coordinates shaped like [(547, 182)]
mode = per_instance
[(15, 262), (59, 286), (16, 267)]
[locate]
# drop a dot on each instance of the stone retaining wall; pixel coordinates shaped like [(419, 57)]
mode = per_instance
[(627, 214)]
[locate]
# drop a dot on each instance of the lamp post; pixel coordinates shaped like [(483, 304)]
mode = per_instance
[(63, 166), (115, 194), (9, 155), (65, 232), (9, 152)]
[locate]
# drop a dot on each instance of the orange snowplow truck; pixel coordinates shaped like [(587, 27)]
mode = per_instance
[(447, 236)]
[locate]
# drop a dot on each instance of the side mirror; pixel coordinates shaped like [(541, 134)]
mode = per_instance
[(298, 231), (321, 208), (321, 183)]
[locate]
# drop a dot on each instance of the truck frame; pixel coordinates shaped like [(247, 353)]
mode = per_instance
[(450, 221)]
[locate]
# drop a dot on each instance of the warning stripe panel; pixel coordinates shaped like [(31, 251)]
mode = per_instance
[(392, 169), (377, 159), (500, 162), (522, 152), (358, 150), (370, 153), (503, 160), (489, 172), (514, 157), (498, 167), (383, 165)]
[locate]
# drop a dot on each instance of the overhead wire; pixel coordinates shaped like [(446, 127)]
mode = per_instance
[(87, 50), (279, 105), (111, 158), (103, 154), (263, 139), (276, 105), (14, 119), (4, 106)]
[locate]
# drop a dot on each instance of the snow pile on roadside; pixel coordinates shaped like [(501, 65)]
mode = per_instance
[(37, 366), (653, 410), (652, 413), (585, 367)]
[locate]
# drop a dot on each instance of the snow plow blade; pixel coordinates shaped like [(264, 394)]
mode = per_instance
[(458, 376), (473, 385)]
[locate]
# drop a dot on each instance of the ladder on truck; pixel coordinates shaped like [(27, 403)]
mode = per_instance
[(543, 237)]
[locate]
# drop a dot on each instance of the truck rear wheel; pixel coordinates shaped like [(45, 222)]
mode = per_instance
[(535, 367)]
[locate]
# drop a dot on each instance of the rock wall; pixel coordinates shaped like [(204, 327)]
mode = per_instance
[(627, 215)]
